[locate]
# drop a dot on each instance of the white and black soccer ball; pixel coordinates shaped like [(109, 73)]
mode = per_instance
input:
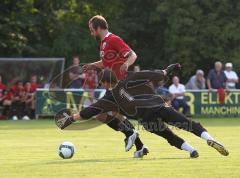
[(66, 150)]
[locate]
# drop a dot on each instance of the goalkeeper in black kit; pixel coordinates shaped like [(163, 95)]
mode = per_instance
[(135, 98)]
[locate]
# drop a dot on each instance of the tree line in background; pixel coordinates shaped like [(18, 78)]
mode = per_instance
[(193, 32)]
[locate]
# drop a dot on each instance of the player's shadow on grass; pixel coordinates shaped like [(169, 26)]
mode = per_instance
[(113, 160)]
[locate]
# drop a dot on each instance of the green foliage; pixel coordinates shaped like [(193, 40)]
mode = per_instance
[(195, 33)]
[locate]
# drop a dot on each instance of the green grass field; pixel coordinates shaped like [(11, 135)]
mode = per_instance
[(29, 149)]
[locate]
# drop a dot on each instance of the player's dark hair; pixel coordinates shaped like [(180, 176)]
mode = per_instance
[(108, 76), (98, 21)]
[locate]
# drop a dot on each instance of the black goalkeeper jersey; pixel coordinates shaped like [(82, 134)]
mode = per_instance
[(132, 97)]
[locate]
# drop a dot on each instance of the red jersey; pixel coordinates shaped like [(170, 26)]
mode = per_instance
[(34, 86), (16, 91), (113, 53), (8, 95), (2, 89), (90, 81)]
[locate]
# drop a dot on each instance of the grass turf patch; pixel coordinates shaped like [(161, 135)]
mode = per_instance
[(29, 149)]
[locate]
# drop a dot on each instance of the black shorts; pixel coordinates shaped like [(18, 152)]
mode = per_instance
[(159, 116)]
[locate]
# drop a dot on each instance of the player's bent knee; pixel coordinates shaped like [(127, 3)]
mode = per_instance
[(197, 128)]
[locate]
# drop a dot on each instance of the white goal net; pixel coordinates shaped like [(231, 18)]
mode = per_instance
[(15, 69)]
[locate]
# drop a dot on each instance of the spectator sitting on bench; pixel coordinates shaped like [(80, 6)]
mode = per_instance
[(161, 89), (18, 108), (178, 93)]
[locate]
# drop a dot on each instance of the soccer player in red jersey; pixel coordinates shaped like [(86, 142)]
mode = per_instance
[(116, 55)]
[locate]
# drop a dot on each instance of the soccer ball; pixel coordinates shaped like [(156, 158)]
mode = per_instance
[(66, 150)]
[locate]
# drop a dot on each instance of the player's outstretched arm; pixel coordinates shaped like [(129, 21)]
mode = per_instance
[(107, 117), (154, 75), (93, 66), (148, 75), (66, 117), (99, 109)]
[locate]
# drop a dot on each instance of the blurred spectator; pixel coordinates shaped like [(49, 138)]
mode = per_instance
[(2, 89), (17, 88), (216, 77), (7, 102), (178, 93), (75, 80), (75, 60), (34, 84), (91, 79), (232, 77), (77, 68), (52, 85), (18, 101), (2, 97), (29, 101), (161, 89), (197, 82), (23, 101), (90, 82)]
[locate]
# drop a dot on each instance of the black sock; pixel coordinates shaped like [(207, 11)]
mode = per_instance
[(138, 142), (113, 123), (117, 125), (172, 139), (125, 129)]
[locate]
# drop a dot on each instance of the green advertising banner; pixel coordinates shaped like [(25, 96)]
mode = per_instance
[(202, 103), (49, 102), (206, 103)]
